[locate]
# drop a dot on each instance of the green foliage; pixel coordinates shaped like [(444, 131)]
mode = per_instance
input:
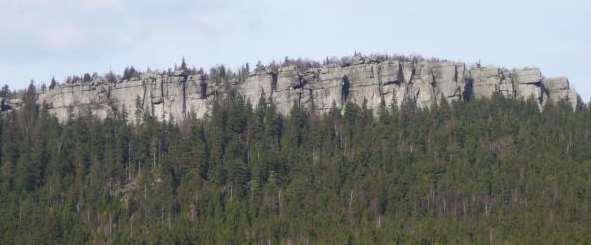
[(484, 171)]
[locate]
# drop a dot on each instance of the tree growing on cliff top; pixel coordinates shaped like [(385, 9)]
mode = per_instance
[(52, 83), (130, 72), (111, 77), (5, 91), (184, 66)]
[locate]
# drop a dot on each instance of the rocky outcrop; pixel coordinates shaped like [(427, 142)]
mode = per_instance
[(393, 80)]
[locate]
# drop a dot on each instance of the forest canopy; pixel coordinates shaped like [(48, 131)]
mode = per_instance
[(482, 171)]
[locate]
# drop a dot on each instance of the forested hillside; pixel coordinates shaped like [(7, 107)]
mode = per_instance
[(477, 172)]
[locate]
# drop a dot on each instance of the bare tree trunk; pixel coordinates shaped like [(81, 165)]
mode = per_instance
[(351, 219), (110, 224), (230, 193), (379, 221), (279, 199), (350, 200), (464, 207), (153, 160), (131, 229), (444, 206)]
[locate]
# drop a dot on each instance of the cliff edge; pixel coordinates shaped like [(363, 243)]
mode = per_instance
[(319, 87)]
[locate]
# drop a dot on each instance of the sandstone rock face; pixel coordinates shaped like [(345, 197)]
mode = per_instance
[(422, 82), (560, 87)]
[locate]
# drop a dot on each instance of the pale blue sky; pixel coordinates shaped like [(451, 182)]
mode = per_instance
[(44, 38)]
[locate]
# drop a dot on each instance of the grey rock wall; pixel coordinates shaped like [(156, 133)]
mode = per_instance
[(423, 82)]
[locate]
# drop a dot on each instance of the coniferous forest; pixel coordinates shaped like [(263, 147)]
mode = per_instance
[(478, 172)]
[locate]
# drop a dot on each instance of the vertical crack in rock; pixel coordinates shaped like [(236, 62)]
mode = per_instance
[(400, 75), (153, 84), (418, 81), (543, 91), (145, 87), (457, 91), (274, 79), (162, 90), (109, 93), (162, 97), (184, 78), (501, 76), (435, 90), (345, 84), (468, 88), (410, 96), (514, 85), (315, 80), (456, 74), (381, 85), (311, 100), (412, 74), (203, 86), (301, 82), (497, 86)]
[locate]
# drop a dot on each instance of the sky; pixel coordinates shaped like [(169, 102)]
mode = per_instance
[(40, 39)]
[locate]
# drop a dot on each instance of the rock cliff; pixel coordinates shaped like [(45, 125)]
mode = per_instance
[(357, 79)]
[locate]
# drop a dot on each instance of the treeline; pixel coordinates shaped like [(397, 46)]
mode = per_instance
[(485, 171), (222, 73)]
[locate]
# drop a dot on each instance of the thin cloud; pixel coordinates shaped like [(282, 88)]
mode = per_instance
[(98, 3), (75, 36), (62, 38)]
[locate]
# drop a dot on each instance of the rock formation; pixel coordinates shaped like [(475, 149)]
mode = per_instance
[(357, 79)]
